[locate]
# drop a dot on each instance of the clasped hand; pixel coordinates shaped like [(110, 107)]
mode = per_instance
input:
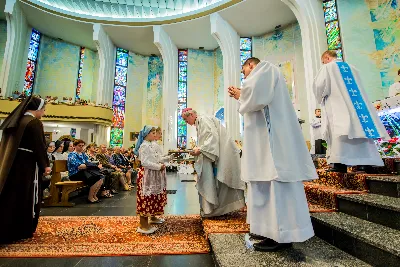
[(234, 92)]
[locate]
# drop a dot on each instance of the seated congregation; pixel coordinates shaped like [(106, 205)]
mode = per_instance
[(103, 170)]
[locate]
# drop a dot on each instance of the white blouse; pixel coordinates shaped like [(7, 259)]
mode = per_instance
[(60, 156), (149, 156)]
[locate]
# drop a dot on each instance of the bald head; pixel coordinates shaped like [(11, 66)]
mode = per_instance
[(189, 116), (329, 56)]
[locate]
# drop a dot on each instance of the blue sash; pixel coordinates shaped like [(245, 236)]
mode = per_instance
[(361, 108)]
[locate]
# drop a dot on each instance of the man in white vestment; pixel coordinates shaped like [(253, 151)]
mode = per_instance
[(275, 158), (217, 163), (349, 120), (317, 147)]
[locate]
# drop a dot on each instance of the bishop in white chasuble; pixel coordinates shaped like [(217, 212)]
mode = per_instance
[(275, 158), (217, 164)]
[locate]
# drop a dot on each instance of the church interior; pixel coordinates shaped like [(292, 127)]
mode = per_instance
[(107, 68)]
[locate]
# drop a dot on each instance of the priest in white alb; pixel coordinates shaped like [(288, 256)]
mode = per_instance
[(275, 158), (349, 120), (217, 163)]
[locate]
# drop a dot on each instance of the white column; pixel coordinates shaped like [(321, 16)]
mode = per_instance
[(229, 41), (169, 53), (107, 54), (100, 134), (16, 50), (309, 14)]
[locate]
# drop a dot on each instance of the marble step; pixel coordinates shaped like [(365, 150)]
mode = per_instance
[(373, 243), (230, 251), (371, 207), (384, 185)]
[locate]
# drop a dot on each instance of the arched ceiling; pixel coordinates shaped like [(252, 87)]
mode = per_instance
[(248, 18), (130, 10)]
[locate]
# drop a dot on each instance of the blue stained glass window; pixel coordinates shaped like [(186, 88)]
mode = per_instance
[(122, 57), (120, 75), (330, 13), (182, 96), (244, 55), (245, 52), (329, 3), (35, 35), (181, 141), (31, 64), (245, 44), (183, 55), (80, 71), (33, 50), (119, 97)]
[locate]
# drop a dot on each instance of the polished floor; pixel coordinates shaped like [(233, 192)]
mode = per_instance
[(184, 201)]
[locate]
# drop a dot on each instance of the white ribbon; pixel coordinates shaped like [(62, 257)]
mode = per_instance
[(35, 190), (41, 104)]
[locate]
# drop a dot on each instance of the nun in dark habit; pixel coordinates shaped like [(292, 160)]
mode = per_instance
[(23, 162)]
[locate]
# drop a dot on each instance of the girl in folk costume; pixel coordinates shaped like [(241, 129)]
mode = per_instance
[(151, 183), (23, 144)]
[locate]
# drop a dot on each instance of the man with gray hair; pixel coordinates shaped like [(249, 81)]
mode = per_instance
[(217, 163)]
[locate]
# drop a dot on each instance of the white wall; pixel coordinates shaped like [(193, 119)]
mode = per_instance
[(16, 52)]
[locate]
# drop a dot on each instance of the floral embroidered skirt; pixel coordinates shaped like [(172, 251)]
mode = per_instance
[(149, 205)]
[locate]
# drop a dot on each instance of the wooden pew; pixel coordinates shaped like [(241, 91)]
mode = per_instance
[(59, 191)]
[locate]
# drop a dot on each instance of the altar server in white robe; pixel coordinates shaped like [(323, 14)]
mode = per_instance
[(275, 158), (349, 120), (217, 164), (317, 147)]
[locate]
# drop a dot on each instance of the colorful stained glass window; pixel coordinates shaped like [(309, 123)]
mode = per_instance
[(182, 97), (117, 137), (183, 56), (31, 64), (122, 57), (245, 44), (120, 75), (118, 116), (332, 27), (119, 97), (245, 52), (80, 70), (330, 11)]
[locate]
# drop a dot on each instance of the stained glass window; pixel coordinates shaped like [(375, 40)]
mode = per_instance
[(182, 97), (245, 52), (31, 64), (332, 27), (80, 70), (119, 98)]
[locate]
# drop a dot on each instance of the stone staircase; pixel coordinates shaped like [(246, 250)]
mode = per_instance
[(366, 221)]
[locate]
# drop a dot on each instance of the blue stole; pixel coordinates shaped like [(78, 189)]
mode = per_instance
[(358, 102)]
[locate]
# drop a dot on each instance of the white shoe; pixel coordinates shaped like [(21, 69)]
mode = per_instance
[(159, 221), (146, 232)]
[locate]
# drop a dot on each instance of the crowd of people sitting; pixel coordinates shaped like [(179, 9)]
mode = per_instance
[(105, 170)]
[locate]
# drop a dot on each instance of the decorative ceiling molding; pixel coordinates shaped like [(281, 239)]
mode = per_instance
[(131, 12)]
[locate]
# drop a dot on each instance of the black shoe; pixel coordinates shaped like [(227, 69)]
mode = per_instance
[(269, 245), (257, 237), (338, 167)]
